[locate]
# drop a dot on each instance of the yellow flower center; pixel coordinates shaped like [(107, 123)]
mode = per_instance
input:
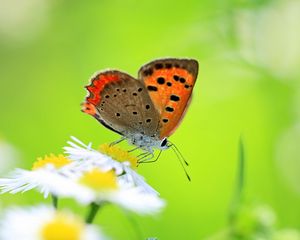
[(118, 154), (99, 181), (63, 227), (57, 161)]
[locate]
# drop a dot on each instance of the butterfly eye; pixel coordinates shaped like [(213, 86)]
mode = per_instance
[(164, 142)]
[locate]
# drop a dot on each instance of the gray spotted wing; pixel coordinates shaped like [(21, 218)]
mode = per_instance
[(122, 104)]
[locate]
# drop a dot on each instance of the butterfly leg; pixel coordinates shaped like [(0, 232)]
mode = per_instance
[(142, 154), (149, 160), (146, 156), (131, 150), (117, 141)]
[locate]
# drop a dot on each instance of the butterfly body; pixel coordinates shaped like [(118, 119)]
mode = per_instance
[(145, 110), (147, 143)]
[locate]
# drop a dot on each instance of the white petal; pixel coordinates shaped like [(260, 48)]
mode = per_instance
[(136, 200), (27, 224), (89, 158), (24, 224), (20, 181), (46, 182), (139, 181)]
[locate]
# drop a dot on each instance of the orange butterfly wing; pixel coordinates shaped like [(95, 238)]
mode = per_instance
[(170, 83)]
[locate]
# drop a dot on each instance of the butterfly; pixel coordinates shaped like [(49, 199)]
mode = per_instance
[(146, 110)]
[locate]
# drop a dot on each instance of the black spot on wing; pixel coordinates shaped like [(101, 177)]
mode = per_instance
[(176, 78), (182, 80), (152, 88), (174, 98), (160, 80), (148, 72), (159, 66), (169, 109), (168, 65)]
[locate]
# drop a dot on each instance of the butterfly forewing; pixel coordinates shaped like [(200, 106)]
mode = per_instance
[(170, 83), (122, 104)]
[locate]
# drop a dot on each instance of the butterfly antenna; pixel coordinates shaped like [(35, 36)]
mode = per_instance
[(182, 157), (181, 160)]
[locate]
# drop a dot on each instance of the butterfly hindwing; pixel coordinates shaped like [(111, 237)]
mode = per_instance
[(170, 83), (121, 103)]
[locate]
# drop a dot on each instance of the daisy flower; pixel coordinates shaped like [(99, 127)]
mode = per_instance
[(45, 223), (88, 176), (108, 158), (45, 175), (98, 186)]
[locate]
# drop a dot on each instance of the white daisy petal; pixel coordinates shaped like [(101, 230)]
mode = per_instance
[(79, 142), (138, 180), (89, 158), (100, 188), (47, 176), (113, 181), (19, 181), (32, 224), (136, 200), (44, 181)]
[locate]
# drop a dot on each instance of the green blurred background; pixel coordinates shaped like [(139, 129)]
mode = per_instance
[(248, 85)]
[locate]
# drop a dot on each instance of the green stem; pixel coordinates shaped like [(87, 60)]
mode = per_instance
[(94, 208), (240, 183), (135, 225), (54, 201)]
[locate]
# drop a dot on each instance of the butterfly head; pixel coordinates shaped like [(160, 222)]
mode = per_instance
[(148, 143), (164, 144)]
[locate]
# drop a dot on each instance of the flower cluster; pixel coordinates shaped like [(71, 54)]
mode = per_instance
[(90, 177), (42, 222)]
